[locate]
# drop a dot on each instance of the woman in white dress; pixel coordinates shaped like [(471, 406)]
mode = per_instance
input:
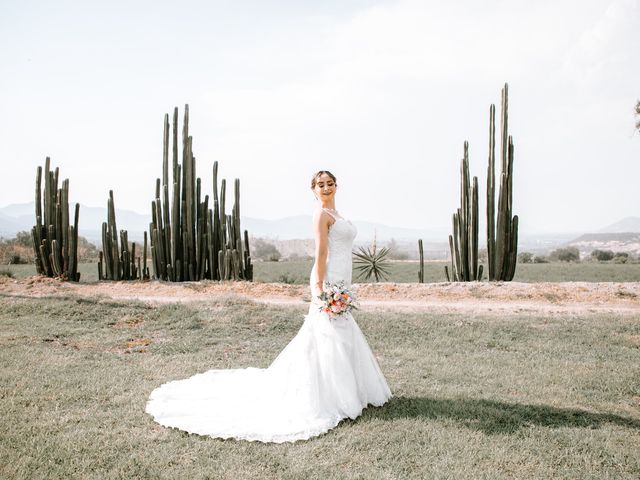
[(324, 375)]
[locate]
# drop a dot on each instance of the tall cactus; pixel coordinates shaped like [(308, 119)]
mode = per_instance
[(502, 236), (464, 241), (189, 240), (421, 263), (55, 241), (118, 262)]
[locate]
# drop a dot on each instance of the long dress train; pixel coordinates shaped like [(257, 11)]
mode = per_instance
[(324, 375)]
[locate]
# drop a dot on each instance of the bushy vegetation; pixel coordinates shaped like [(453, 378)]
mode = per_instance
[(525, 257), (603, 255), (621, 257), (565, 254), (611, 256), (19, 250), (263, 250)]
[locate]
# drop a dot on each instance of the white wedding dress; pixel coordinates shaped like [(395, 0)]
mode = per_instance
[(325, 374)]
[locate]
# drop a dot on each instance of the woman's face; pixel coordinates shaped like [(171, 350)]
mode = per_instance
[(325, 187)]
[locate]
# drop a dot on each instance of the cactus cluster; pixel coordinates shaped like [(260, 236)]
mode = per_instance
[(55, 241), (118, 262), (189, 240), (502, 236), (464, 241)]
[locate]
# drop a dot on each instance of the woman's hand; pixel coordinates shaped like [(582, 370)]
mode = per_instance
[(316, 290)]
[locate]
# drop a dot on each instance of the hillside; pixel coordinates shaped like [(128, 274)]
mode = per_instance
[(628, 224), (618, 242)]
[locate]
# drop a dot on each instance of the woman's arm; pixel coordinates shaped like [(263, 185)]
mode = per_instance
[(321, 224)]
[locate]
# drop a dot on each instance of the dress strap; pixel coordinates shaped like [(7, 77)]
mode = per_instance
[(332, 214)]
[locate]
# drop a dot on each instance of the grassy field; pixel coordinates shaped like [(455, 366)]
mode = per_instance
[(479, 396), (297, 272)]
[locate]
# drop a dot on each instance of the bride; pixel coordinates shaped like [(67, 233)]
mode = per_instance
[(324, 375)]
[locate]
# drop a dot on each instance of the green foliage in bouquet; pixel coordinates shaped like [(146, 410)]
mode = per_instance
[(372, 263)]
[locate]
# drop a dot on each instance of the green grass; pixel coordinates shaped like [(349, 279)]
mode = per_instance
[(407, 272), (297, 272), (475, 396)]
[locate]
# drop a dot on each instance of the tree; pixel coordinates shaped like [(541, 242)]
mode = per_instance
[(602, 255), (525, 257), (23, 239), (264, 250), (566, 254), (638, 115)]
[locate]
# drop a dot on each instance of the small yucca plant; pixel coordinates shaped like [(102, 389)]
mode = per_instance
[(371, 263)]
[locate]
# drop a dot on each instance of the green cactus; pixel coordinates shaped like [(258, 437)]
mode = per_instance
[(421, 255), (190, 240), (119, 262), (55, 241), (502, 235), (464, 241)]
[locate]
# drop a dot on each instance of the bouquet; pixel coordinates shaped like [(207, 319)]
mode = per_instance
[(336, 299)]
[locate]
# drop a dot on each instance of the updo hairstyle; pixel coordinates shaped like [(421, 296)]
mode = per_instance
[(317, 175)]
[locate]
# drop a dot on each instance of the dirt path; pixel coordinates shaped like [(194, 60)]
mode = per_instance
[(507, 297)]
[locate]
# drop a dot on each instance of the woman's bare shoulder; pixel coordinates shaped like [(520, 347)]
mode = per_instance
[(320, 214), (320, 217)]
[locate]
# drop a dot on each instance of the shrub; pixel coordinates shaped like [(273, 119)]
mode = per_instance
[(621, 257), (263, 250), (23, 239), (16, 259), (20, 249), (602, 255), (285, 278), (525, 257), (88, 252), (566, 254), (540, 259)]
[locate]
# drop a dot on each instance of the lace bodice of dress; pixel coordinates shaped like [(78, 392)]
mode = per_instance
[(341, 236)]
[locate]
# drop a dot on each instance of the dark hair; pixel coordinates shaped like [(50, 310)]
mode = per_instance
[(314, 179)]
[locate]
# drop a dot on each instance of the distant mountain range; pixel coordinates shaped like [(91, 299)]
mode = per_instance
[(18, 217), (628, 224)]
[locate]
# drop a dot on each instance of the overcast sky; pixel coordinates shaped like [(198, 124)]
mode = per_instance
[(381, 93)]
